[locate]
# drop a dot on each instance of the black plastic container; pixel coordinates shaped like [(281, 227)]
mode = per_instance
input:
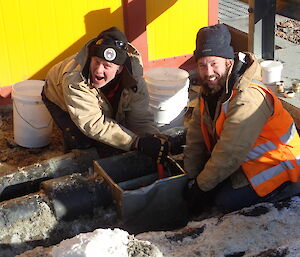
[(145, 202)]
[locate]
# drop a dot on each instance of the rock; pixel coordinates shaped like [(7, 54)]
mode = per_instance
[(289, 30), (100, 242)]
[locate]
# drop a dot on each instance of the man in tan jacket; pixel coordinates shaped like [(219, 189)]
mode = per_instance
[(98, 97), (242, 145)]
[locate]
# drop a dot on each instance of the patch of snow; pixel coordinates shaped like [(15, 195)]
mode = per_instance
[(262, 230), (295, 198), (243, 233), (101, 242)]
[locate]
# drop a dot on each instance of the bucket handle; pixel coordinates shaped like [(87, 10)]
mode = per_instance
[(160, 107), (185, 112), (42, 127)]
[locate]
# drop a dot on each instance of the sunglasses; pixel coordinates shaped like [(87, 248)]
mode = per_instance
[(118, 43)]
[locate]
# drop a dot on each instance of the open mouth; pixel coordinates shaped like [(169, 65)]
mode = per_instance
[(98, 78), (211, 78)]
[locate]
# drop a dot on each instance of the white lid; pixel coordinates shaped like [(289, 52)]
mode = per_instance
[(28, 90), (167, 74), (270, 65)]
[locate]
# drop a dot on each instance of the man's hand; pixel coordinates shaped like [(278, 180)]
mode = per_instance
[(155, 146), (197, 199), (192, 191)]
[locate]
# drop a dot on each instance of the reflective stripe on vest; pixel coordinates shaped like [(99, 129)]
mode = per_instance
[(261, 149), (275, 156)]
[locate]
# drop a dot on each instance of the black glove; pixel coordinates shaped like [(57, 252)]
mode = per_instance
[(197, 200), (192, 191), (155, 146)]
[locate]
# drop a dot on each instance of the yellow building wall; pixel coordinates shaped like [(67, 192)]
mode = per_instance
[(172, 26), (36, 34)]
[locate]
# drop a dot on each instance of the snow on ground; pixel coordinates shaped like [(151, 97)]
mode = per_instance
[(106, 241), (101, 242), (264, 230)]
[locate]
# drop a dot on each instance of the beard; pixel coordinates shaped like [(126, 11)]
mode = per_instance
[(217, 85)]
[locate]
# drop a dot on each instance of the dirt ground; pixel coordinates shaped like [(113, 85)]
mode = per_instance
[(13, 156)]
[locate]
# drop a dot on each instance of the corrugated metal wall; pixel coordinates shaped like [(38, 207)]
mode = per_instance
[(35, 34), (173, 25)]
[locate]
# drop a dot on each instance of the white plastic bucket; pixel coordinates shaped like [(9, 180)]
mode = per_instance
[(168, 92), (176, 101), (166, 80), (177, 122), (271, 71), (31, 120), (166, 111)]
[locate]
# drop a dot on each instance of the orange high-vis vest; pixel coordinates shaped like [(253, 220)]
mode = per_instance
[(275, 156)]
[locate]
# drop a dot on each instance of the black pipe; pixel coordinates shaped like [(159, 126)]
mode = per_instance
[(28, 179), (75, 195)]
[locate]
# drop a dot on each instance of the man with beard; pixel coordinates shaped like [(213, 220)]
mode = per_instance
[(242, 145), (98, 97)]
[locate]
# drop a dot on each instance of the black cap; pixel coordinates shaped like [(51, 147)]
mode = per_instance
[(111, 45), (214, 41)]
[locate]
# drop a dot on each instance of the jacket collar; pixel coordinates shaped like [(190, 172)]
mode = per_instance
[(241, 75), (127, 80), (252, 72)]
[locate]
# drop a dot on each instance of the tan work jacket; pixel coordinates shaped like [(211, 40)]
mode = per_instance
[(67, 87), (247, 114)]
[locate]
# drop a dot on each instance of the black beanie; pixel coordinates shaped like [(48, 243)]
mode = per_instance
[(214, 41), (111, 45)]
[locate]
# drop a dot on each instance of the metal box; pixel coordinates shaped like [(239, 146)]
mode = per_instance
[(145, 202)]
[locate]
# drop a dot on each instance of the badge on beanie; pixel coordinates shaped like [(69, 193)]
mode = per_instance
[(110, 54)]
